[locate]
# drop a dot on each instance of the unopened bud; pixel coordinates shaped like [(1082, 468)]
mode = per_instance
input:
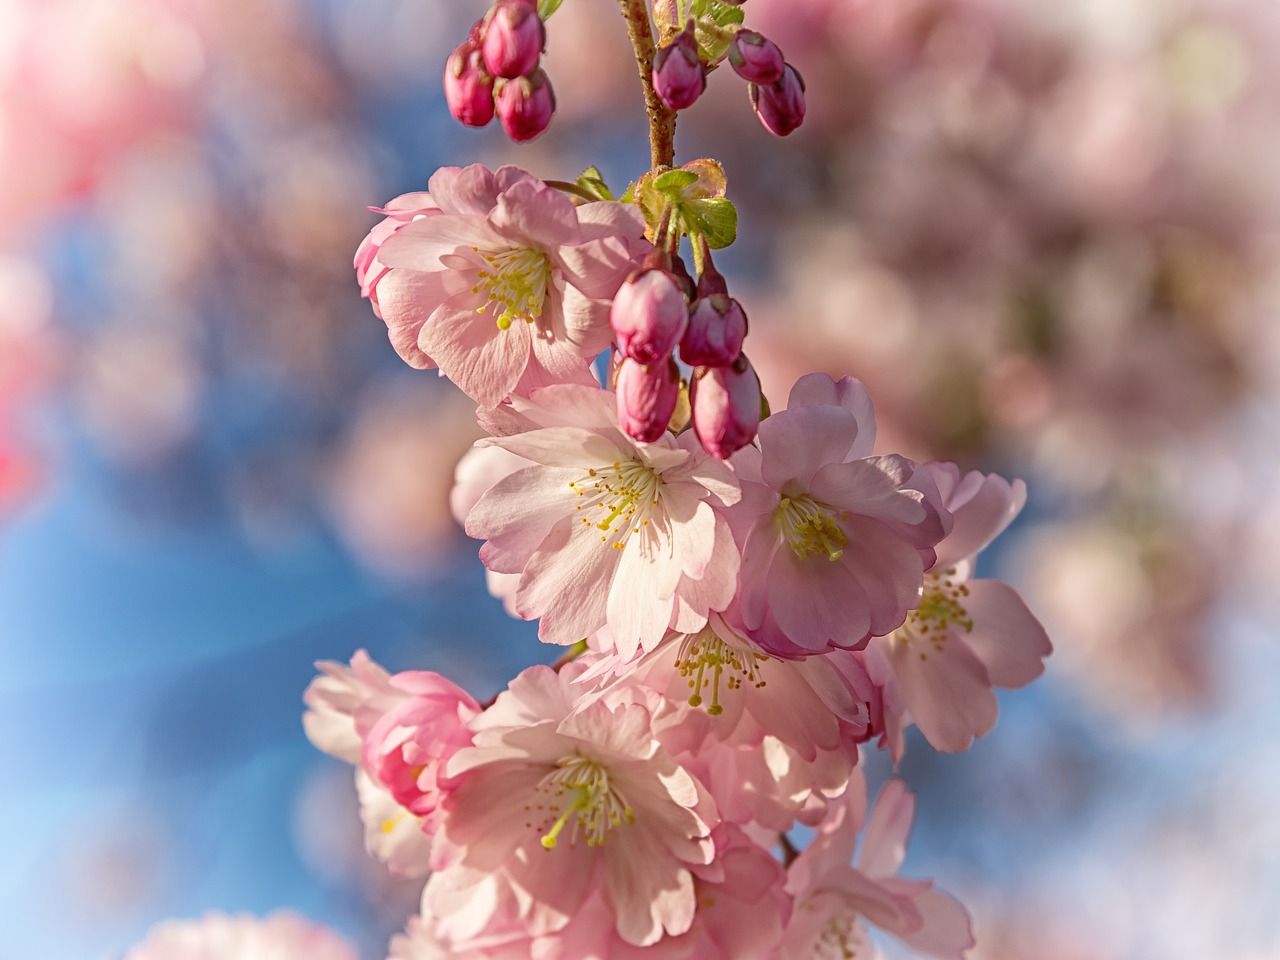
[(678, 75), (525, 105), (726, 407), (647, 397), (513, 38), (468, 87), (649, 316), (780, 106), (717, 327), (755, 57)]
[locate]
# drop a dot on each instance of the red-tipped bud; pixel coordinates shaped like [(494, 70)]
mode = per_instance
[(717, 327), (780, 106), (649, 316), (755, 57), (468, 87), (726, 407), (647, 397), (525, 105), (513, 38), (678, 75)]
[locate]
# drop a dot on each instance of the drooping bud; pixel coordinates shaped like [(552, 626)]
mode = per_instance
[(678, 75), (717, 327), (468, 87), (525, 105), (755, 57), (647, 397), (514, 38), (726, 407), (649, 316), (780, 106)]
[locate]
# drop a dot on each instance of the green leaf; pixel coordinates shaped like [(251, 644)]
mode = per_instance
[(592, 181), (674, 181), (547, 7), (716, 218), (725, 14)]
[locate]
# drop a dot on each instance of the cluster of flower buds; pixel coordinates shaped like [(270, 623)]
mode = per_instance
[(775, 87), (651, 316), (724, 392), (496, 70)]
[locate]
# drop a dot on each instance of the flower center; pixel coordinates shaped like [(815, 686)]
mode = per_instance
[(839, 939), (941, 608), (515, 284), (626, 492), (704, 658), (581, 797), (809, 528)]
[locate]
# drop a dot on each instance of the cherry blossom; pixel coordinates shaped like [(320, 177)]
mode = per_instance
[(566, 801), (834, 540), (835, 895), (280, 936), (508, 286), (606, 531), (967, 635)]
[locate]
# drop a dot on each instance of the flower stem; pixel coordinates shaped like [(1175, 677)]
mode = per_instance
[(662, 121), (789, 851)]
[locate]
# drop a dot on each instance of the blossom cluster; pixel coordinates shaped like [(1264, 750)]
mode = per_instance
[(745, 609)]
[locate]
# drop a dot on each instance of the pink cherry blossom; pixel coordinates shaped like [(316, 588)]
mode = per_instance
[(741, 694), (392, 835), (608, 534), (507, 287), (344, 703), (966, 636), (834, 540), (835, 896), (565, 803), (400, 285), (408, 746), (216, 936)]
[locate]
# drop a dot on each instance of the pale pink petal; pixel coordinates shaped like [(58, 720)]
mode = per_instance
[(983, 506), (516, 515), (469, 190), (819, 388), (536, 215), (884, 841), (797, 442), (816, 601), (1006, 635), (947, 932), (945, 687)]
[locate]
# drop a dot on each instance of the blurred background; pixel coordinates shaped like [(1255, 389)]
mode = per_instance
[(1045, 235)]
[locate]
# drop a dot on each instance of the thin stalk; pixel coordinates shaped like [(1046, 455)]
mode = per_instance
[(662, 121)]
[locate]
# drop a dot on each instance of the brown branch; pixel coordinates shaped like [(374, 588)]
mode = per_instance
[(662, 121)]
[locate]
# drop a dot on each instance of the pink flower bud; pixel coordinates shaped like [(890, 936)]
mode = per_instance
[(726, 407), (717, 327), (513, 38), (525, 105), (647, 397), (755, 57), (780, 106), (649, 316), (678, 75), (468, 88)]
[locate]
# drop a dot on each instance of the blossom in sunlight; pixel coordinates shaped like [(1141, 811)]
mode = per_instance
[(280, 936), (834, 540), (608, 534), (507, 286), (967, 635), (560, 800), (836, 896), (406, 749)]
